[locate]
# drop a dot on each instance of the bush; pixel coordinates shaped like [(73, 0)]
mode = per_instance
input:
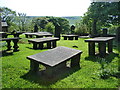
[(81, 29), (112, 30), (49, 27)]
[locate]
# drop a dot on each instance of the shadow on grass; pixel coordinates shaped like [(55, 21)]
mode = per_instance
[(42, 79), (108, 58), (5, 53), (39, 48)]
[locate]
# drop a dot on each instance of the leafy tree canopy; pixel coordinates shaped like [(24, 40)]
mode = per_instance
[(43, 21), (104, 14)]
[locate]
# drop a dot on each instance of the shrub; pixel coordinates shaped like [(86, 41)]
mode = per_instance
[(81, 29)]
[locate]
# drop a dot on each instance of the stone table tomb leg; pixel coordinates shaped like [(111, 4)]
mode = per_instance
[(102, 48), (65, 38), (8, 45), (75, 61), (30, 36), (49, 71), (40, 45), (110, 46), (15, 45), (48, 44), (34, 45), (76, 38), (34, 66), (91, 47), (26, 35), (70, 38), (54, 44)]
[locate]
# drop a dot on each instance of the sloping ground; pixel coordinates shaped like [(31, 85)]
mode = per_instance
[(15, 69)]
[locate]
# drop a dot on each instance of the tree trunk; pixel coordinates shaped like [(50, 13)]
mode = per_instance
[(94, 30)]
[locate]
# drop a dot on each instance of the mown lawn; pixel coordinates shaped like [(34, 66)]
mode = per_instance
[(15, 68)]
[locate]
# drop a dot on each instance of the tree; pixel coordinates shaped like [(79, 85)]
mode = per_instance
[(43, 21), (8, 15), (50, 27), (22, 21), (102, 14)]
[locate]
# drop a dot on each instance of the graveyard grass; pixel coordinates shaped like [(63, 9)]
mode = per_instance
[(15, 66)]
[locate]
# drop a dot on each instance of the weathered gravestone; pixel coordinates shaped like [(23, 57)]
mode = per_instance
[(104, 33), (35, 28), (58, 30), (72, 29)]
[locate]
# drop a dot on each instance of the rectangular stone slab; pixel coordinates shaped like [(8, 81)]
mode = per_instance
[(70, 35), (6, 39), (99, 39), (46, 39), (55, 56)]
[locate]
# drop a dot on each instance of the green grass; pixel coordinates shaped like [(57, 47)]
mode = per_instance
[(15, 68)]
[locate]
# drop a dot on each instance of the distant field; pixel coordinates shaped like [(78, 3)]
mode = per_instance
[(73, 19)]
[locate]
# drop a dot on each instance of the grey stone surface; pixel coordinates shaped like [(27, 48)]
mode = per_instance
[(46, 39), (51, 42), (38, 34), (55, 56), (102, 41), (70, 37), (99, 39)]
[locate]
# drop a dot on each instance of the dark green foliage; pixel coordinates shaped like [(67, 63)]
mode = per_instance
[(43, 21), (102, 14), (8, 15)]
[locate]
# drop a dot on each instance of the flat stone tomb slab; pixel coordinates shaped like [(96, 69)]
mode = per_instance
[(27, 35), (102, 41), (70, 37), (51, 42), (54, 59), (39, 35)]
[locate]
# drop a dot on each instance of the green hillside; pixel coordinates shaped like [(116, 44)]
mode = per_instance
[(73, 19)]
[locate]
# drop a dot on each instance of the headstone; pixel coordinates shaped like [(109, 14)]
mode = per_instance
[(4, 26), (72, 29), (58, 30), (104, 32), (35, 28)]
